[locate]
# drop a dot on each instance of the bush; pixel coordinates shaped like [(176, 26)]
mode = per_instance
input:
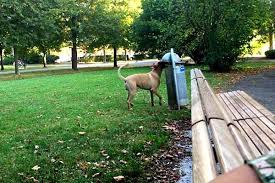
[(51, 59), (33, 58), (8, 60), (140, 56), (270, 54), (121, 57), (100, 58)]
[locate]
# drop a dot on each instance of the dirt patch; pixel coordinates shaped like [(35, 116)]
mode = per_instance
[(166, 165)]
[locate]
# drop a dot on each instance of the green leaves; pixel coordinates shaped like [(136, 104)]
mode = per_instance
[(212, 31)]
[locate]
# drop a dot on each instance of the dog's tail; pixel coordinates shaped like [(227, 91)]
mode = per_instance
[(119, 74)]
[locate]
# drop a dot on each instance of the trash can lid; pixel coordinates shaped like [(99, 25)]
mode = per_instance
[(167, 58)]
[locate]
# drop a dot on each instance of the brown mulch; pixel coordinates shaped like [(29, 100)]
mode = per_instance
[(165, 165)]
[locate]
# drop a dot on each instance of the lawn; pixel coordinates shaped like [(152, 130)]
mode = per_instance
[(66, 126)]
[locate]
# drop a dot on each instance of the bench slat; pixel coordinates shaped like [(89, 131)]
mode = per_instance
[(257, 105), (255, 124), (251, 107), (212, 110), (268, 123), (261, 121), (242, 105), (251, 144), (227, 151), (203, 159), (235, 115), (236, 106), (268, 132), (241, 143), (197, 111), (204, 165), (262, 148), (261, 134), (255, 151)]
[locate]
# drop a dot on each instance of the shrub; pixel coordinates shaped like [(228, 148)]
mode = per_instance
[(51, 59), (121, 57), (270, 54), (8, 60), (140, 56), (100, 58), (33, 58)]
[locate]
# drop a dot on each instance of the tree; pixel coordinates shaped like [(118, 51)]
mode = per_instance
[(75, 14), (110, 23), (149, 30), (22, 25), (215, 32), (271, 24), (49, 28), (16, 26)]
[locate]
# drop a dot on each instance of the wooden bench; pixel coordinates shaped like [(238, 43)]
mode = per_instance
[(227, 129)]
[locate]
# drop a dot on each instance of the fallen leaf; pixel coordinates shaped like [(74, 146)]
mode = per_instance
[(34, 180), (123, 162), (95, 175), (103, 153), (119, 178), (53, 160), (124, 151), (36, 167), (83, 165)]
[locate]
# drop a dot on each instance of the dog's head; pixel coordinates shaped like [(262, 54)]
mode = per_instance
[(158, 66)]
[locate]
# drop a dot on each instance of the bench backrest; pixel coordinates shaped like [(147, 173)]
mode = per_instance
[(230, 146)]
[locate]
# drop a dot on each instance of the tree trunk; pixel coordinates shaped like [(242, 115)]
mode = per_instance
[(115, 57), (1, 55), (126, 58), (74, 41), (271, 38), (16, 68), (105, 59), (45, 59)]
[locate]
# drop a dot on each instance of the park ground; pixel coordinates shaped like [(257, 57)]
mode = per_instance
[(74, 126)]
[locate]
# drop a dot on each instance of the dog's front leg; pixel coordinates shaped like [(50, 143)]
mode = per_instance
[(152, 98), (157, 94)]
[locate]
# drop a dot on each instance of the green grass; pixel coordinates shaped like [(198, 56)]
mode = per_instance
[(43, 113)]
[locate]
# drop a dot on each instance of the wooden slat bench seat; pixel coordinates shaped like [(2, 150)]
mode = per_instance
[(227, 129)]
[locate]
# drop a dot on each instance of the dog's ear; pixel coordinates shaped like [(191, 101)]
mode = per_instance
[(154, 66)]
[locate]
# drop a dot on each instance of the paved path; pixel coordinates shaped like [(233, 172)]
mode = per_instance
[(261, 87), (64, 66)]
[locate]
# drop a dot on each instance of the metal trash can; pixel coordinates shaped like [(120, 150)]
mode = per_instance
[(175, 80)]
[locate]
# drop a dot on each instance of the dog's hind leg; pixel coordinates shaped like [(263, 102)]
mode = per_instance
[(157, 94), (152, 98), (131, 96)]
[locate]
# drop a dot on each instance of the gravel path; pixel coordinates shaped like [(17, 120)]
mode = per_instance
[(261, 87)]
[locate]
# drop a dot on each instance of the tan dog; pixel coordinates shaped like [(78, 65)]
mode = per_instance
[(149, 81)]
